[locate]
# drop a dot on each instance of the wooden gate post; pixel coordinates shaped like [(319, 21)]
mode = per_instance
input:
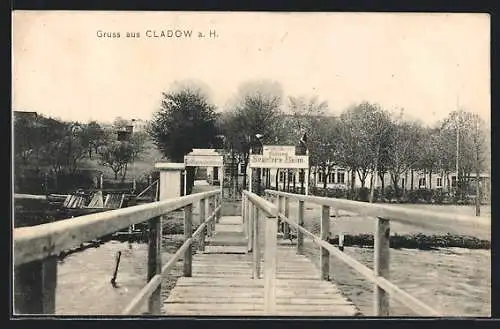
[(324, 255), (381, 267)]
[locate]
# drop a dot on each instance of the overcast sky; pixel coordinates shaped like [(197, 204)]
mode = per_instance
[(421, 62)]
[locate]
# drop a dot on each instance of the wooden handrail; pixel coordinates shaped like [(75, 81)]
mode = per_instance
[(453, 223), (45, 240), (36, 249), (383, 286)]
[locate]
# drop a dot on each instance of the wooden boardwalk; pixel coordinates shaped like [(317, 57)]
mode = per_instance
[(222, 283)]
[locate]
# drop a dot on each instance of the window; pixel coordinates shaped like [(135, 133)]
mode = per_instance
[(403, 183), (340, 178), (216, 173), (282, 176), (331, 178), (421, 182), (439, 182), (320, 177), (454, 181), (242, 169)]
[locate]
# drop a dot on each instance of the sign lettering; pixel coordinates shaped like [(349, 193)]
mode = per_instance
[(203, 161), (279, 161)]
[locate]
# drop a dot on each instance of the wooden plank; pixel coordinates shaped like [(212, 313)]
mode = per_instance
[(231, 220), (258, 300), (30, 196), (251, 309), (225, 249), (40, 241), (381, 267)]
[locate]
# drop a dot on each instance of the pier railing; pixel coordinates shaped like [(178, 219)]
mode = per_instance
[(253, 205), (36, 249), (382, 215)]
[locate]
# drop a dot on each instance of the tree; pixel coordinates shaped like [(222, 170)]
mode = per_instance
[(364, 134), (404, 149), (136, 145), (92, 136), (184, 121), (115, 155), (256, 110)]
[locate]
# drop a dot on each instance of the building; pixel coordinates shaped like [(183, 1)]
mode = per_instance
[(139, 125)]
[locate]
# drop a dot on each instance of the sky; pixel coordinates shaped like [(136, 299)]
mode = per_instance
[(426, 63)]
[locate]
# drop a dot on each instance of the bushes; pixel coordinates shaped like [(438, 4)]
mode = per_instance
[(417, 241), (389, 194)]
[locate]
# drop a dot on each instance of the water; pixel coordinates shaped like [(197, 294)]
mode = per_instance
[(83, 279), (452, 281)]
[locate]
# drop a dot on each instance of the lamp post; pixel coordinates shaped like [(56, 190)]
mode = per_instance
[(304, 150)]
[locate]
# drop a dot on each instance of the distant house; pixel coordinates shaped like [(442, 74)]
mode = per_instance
[(139, 125), (25, 114)]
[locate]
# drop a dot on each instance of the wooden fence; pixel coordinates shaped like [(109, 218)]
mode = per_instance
[(36, 249)]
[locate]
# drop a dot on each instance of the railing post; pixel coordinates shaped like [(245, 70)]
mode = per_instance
[(210, 212), (286, 228), (270, 250), (381, 267), (35, 287), (154, 262), (202, 220), (217, 204), (280, 209), (188, 233), (249, 212), (300, 222), (243, 219), (324, 255), (256, 242)]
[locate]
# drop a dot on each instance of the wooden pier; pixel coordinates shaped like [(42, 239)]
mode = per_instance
[(223, 283)]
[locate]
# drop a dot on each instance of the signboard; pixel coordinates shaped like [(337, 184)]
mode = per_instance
[(279, 161), (203, 161), (278, 150)]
